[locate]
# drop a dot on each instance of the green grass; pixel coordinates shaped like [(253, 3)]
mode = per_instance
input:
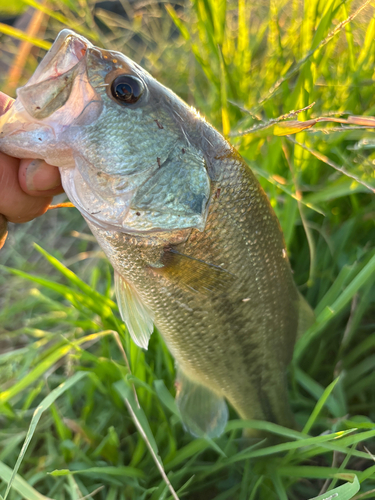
[(70, 425)]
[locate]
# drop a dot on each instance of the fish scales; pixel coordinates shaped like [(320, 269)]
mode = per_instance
[(237, 348), (195, 244)]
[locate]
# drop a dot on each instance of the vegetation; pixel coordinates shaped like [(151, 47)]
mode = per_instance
[(70, 424)]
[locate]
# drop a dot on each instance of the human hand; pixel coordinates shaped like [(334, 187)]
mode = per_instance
[(26, 186)]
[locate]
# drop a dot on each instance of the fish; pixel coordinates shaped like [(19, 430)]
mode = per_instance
[(196, 247)]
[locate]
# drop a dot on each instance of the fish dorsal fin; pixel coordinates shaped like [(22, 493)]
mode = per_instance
[(203, 412), (138, 318), (306, 316), (194, 274)]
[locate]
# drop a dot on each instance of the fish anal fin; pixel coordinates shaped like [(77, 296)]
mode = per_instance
[(194, 274), (138, 318), (203, 412)]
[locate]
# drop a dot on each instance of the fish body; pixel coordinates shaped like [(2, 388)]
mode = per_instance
[(195, 244), (232, 331)]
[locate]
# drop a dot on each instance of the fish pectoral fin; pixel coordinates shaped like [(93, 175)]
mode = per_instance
[(194, 274), (203, 412), (138, 318)]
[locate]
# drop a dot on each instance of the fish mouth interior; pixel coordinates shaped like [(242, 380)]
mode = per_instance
[(53, 82), (66, 52), (75, 50)]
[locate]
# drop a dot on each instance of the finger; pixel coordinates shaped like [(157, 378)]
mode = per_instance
[(37, 178), (15, 204), (36, 175)]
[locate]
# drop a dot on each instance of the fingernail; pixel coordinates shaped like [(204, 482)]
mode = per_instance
[(41, 177)]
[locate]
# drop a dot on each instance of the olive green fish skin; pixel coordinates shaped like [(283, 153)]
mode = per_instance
[(237, 342)]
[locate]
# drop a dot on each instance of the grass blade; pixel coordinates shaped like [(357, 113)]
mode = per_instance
[(319, 405), (140, 421), (331, 311), (19, 484), (20, 35), (44, 405), (344, 492)]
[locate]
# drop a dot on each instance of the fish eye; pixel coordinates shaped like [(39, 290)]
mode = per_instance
[(127, 89)]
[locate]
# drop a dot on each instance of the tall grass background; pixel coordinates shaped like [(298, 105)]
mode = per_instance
[(84, 413)]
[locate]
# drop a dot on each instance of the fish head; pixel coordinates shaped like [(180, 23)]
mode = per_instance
[(48, 104), (123, 142)]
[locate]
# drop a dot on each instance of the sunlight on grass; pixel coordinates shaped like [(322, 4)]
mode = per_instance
[(84, 412)]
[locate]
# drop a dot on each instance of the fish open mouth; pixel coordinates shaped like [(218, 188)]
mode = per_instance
[(56, 94), (73, 53), (59, 95), (66, 52), (51, 85)]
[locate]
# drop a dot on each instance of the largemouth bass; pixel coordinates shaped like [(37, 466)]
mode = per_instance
[(196, 247)]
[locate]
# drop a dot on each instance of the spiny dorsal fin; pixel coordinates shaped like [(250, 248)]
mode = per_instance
[(194, 274), (138, 318), (203, 412)]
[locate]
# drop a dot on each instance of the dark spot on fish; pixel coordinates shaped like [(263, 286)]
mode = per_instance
[(183, 150), (38, 107), (94, 213), (218, 191), (99, 174), (158, 160), (137, 213), (158, 124), (39, 138)]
